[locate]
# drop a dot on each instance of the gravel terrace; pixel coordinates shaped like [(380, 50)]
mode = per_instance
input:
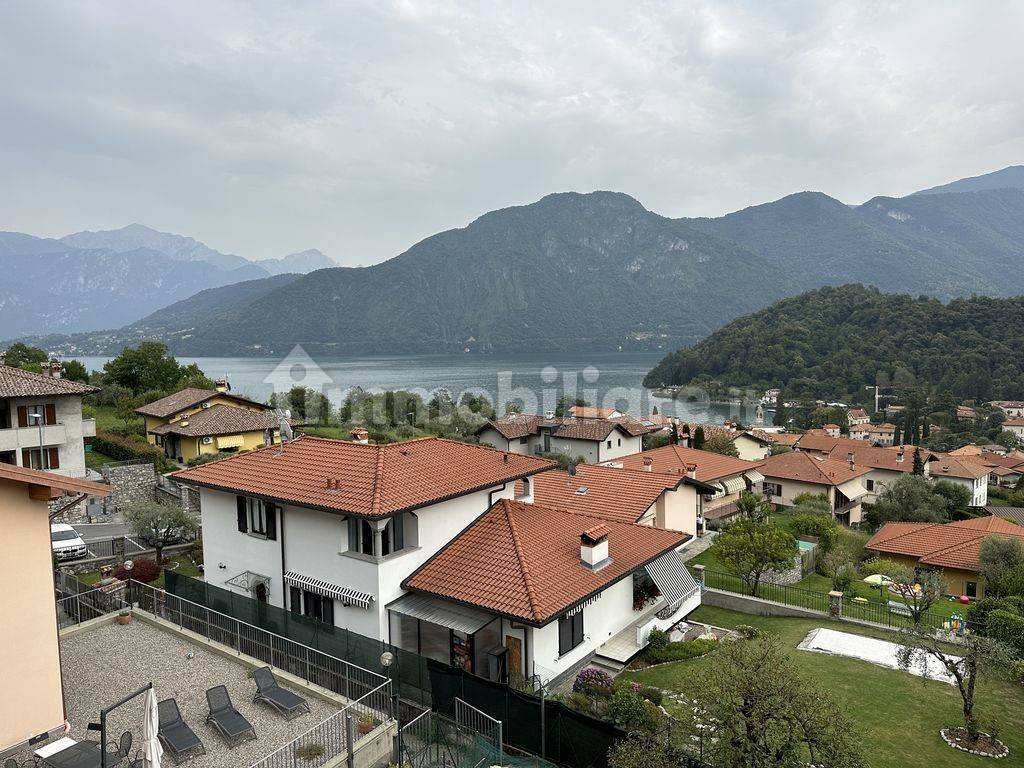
[(104, 664)]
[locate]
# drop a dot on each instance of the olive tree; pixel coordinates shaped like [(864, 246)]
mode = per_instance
[(159, 524), (750, 548)]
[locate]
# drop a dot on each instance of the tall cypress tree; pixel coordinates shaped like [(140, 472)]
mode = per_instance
[(698, 437), (918, 462), (780, 417)]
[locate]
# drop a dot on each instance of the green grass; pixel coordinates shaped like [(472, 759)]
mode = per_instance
[(185, 567), (818, 583), (106, 418), (898, 714), (96, 460)]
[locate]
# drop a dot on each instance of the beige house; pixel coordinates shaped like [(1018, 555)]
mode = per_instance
[(32, 704), (788, 475)]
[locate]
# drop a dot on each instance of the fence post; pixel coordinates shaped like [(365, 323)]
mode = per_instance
[(698, 574), (350, 739), (835, 604)]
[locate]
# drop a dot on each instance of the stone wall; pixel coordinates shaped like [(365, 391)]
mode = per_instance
[(791, 575), (133, 483), (754, 605)]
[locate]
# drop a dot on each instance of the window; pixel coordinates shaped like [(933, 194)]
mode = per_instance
[(34, 415), (971, 588), (609, 443), (315, 606), (524, 440), (257, 517), (620, 441), (40, 458), (570, 632), (361, 535), (772, 489), (869, 484)]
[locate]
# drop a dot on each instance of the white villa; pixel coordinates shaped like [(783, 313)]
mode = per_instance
[(41, 424), (595, 439)]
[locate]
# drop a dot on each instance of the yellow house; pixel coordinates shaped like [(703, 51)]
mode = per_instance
[(195, 421), (32, 704)]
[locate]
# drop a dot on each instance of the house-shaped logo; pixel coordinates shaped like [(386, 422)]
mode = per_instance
[(298, 369)]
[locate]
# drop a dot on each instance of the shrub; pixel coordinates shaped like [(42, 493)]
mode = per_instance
[(145, 570), (824, 528), (580, 702), (125, 449), (196, 551), (653, 695), (748, 631), (688, 649), (593, 682), (310, 752), (628, 709), (842, 579), (1007, 627), (657, 640), (1018, 671)]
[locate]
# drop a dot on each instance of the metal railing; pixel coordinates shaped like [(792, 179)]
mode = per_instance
[(489, 728), (76, 608), (335, 735), (432, 740), (336, 675)]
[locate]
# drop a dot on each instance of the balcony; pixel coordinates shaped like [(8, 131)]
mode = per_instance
[(88, 427), (16, 438)]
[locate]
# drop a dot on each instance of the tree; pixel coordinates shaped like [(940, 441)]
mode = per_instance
[(999, 556), (918, 591), (19, 355), (749, 549), (753, 506), (918, 463), (565, 403), (151, 366), (955, 497), (124, 409), (911, 498), (75, 371), (780, 418), (641, 750), (762, 712), (159, 524), (720, 443), (698, 437), (975, 657)]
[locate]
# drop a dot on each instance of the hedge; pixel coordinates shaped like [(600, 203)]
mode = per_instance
[(125, 449), (1008, 627)]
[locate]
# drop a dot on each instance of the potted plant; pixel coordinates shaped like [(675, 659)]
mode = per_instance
[(124, 617), (310, 752), (366, 723)]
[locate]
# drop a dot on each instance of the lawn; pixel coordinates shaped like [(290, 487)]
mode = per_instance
[(817, 583), (185, 567), (898, 714)]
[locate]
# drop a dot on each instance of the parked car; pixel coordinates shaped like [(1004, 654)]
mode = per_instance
[(66, 543)]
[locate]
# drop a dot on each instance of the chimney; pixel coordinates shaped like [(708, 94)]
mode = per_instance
[(222, 385), (849, 457), (648, 463), (594, 547), (899, 455), (691, 470), (360, 435), (52, 368)]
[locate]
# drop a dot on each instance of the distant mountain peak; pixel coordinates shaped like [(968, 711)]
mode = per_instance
[(135, 236), (1011, 177)]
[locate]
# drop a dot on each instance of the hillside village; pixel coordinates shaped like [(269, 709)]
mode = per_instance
[(582, 558)]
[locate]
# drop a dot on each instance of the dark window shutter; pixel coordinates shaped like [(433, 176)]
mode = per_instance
[(54, 458), (294, 599), (271, 513), (243, 522), (51, 413), (22, 416), (327, 611), (26, 457)]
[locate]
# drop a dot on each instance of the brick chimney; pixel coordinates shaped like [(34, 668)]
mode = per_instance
[(52, 368), (899, 455), (691, 470), (594, 547), (648, 463), (360, 435), (222, 385)]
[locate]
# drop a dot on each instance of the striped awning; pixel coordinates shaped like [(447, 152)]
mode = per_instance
[(673, 580), (733, 485), (754, 476), (347, 595)]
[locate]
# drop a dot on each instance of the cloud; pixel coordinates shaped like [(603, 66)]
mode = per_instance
[(360, 128)]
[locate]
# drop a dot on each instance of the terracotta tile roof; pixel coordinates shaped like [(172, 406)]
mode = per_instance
[(878, 458), (966, 467), (674, 460), (219, 419), (1013, 460), (777, 438), (805, 467), (53, 481), (819, 442), (856, 413), (966, 450), (946, 545), (595, 430), (592, 412), (15, 382), (1015, 422), (361, 479), (187, 398), (523, 561), (618, 494)]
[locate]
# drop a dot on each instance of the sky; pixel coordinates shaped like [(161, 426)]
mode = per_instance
[(359, 128)]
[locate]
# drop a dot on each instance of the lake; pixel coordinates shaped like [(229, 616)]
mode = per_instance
[(534, 381)]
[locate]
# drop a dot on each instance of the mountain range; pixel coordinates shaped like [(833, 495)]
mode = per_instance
[(598, 271), (93, 280)]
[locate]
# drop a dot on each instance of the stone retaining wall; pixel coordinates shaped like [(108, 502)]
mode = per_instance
[(133, 483)]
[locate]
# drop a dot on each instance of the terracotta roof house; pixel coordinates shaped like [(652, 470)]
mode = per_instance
[(884, 465), (965, 413), (856, 416), (951, 548), (787, 475), (962, 470), (593, 412), (815, 441), (1016, 426), (727, 474), (880, 434), (193, 422), (752, 445), (787, 439), (330, 528), (1012, 408), (626, 495), (33, 700), (593, 439), (548, 588), (41, 424)]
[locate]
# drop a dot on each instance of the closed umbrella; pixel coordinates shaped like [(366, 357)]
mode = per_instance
[(877, 580), (152, 750)]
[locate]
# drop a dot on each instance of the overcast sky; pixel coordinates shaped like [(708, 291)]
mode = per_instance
[(360, 128)]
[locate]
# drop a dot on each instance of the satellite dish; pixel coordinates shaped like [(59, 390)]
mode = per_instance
[(282, 421)]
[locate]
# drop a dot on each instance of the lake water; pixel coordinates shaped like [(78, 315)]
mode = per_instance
[(534, 381)]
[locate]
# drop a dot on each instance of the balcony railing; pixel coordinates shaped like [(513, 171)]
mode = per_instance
[(28, 437)]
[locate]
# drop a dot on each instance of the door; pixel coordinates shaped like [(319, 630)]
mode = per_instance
[(261, 592), (515, 654)]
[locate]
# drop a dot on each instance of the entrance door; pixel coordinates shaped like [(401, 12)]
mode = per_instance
[(515, 654), (261, 592)]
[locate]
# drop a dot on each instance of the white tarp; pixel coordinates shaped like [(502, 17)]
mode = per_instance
[(880, 652)]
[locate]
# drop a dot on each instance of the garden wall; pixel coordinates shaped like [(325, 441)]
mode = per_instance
[(755, 605)]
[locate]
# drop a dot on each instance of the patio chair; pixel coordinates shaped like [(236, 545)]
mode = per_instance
[(178, 739), (289, 704), (120, 753), (225, 718)]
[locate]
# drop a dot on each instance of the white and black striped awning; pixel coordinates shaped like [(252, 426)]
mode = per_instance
[(347, 595), (672, 577)]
